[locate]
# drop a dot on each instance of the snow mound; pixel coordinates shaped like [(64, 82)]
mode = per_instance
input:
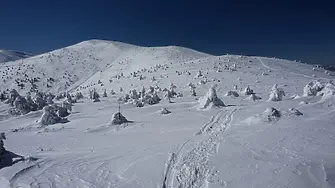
[(248, 91), (210, 99), (164, 111), (254, 97), (232, 94), (268, 116), (296, 112)]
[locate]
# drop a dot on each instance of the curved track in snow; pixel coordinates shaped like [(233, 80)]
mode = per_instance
[(192, 168)]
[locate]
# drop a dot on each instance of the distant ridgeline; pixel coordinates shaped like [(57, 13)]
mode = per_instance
[(329, 67)]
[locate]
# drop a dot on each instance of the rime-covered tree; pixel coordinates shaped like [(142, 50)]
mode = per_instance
[(248, 91), (94, 96), (40, 101), (79, 95), (276, 93), (49, 116), (210, 99), (12, 96), (105, 93), (21, 105), (33, 106)]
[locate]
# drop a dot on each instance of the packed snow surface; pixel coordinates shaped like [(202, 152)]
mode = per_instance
[(242, 140)]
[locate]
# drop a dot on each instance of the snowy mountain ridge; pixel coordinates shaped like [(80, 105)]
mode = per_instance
[(10, 55)]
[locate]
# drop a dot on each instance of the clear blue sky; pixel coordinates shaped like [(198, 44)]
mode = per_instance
[(289, 29)]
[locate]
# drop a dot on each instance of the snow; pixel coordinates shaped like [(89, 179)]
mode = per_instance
[(243, 143)]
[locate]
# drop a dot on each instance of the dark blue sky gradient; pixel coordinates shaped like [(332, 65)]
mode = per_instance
[(288, 29)]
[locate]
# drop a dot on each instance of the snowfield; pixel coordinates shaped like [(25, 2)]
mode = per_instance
[(193, 120)]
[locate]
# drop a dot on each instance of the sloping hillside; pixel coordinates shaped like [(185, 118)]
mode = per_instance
[(66, 68)]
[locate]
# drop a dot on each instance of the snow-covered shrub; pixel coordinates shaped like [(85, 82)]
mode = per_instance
[(248, 91), (40, 101), (79, 95), (202, 82), (3, 96), (49, 98), (269, 115), (118, 119), (21, 105), (276, 93), (328, 90), (105, 93), (164, 111), (31, 103), (312, 88), (94, 96), (2, 148), (199, 74), (210, 99), (254, 97), (232, 93), (112, 92), (60, 96), (133, 94), (62, 111), (151, 99), (193, 93), (49, 116), (139, 103), (12, 96)]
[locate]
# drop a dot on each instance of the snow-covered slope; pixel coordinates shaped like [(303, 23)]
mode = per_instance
[(246, 141), (70, 66), (9, 55)]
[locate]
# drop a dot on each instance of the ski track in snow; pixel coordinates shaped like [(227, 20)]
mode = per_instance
[(192, 168)]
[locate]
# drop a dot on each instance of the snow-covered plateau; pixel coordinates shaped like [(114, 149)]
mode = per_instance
[(110, 114)]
